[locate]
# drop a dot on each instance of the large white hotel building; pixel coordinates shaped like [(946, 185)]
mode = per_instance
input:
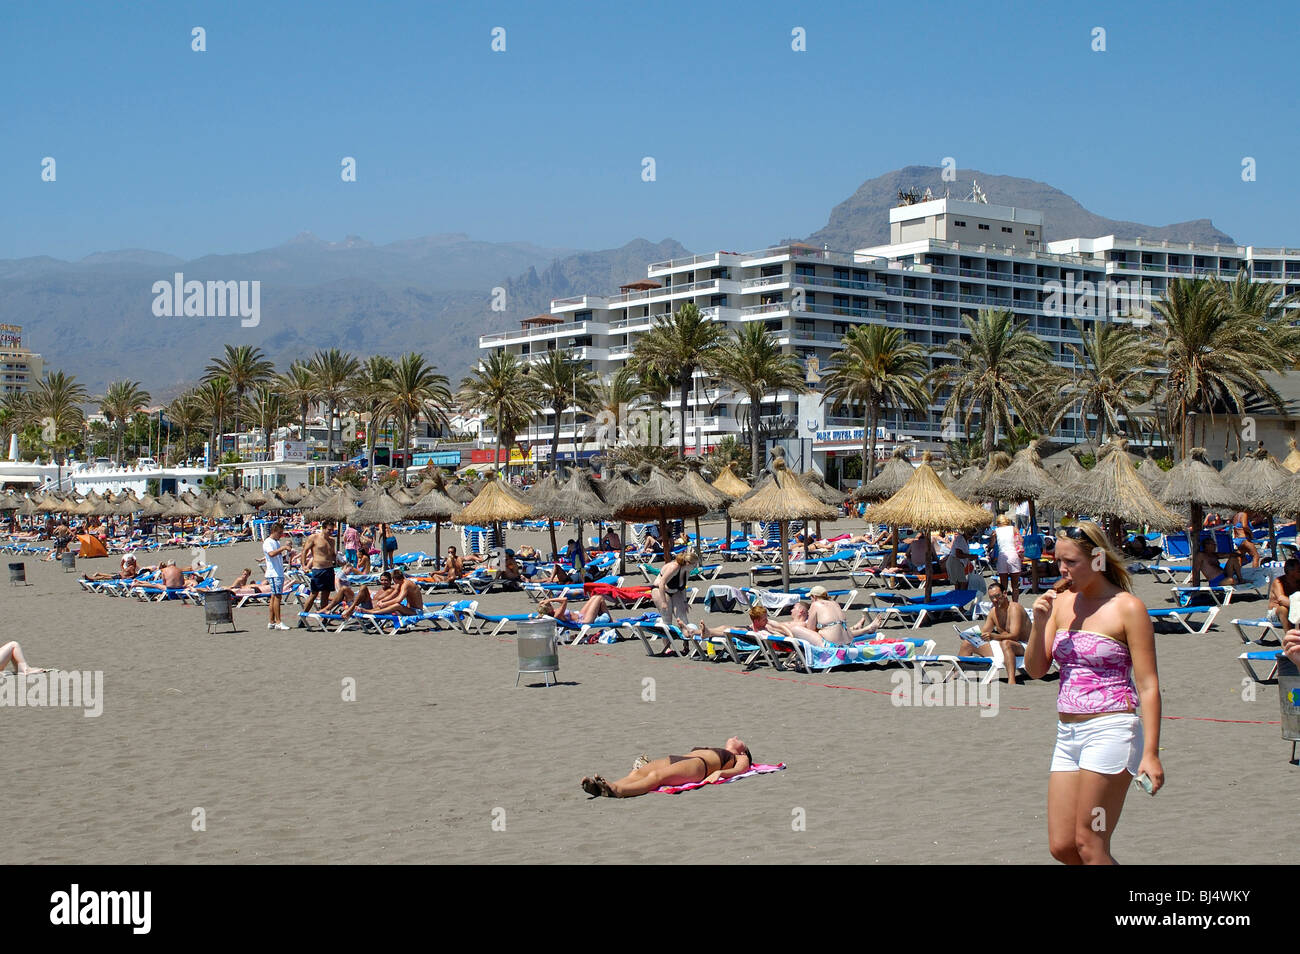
[(945, 258)]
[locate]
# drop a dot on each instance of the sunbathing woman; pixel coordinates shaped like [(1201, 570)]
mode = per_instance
[(595, 610), (701, 764), (11, 652)]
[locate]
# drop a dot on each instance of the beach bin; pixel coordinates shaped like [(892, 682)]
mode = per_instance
[(537, 648), (1288, 692), (69, 561), (218, 609), (18, 574)]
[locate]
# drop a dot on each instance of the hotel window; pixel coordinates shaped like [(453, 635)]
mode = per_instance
[(1007, 229), (1029, 232), (983, 227), (958, 223)]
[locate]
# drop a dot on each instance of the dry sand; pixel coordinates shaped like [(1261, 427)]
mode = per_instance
[(252, 727)]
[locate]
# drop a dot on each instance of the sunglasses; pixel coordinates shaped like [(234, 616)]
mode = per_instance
[(1073, 533)]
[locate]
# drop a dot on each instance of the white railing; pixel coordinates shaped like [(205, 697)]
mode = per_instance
[(691, 288)]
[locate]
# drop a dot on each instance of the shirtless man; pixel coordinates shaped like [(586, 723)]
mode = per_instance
[(319, 558), (1280, 590), (406, 597), (1007, 623), (172, 576), (452, 569), (1206, 565), (364, 599)]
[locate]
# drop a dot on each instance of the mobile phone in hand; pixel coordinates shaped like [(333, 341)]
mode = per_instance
[(1144, 782)]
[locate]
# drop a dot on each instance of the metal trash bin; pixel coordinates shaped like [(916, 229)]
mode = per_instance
[(1288, 693), (18, 574), (69, 561), (537, 648), (218, 608)]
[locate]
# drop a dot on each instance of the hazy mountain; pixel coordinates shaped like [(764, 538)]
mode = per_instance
[(862, 220), (94, 318)]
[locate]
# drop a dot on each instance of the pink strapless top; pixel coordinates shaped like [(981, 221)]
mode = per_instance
[(1096, 673)]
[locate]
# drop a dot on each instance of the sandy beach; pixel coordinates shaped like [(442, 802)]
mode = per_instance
[(441, 759)]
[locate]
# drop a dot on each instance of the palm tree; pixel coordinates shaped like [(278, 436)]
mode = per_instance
[(215, 398), (333, 371), (1215, 353), (876, 368), (121, 400), (752, 362), (676, 348), (995, 368), (415, 388), (186, 412), (561, 381), (501, 388), (269, 410), (369, 395), (612, 396), (245, 367), (56, 403), (1112, 366), (298, 385)]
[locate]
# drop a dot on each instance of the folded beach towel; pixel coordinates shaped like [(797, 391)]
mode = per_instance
[(759, 769)]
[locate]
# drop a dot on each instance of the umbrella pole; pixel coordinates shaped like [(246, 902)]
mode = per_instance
[(577, 557), (785, 559), (437, 544), (1194, 541), (726, 541), (1033, 563), (622, 548), (555, 549), (699, 539), (1272, 534), (665, 539), (929, 577)]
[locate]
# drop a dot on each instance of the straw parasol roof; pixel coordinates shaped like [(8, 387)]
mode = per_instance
[(891, 479), (701, 489), (127, 506), (434, 505), (1022, 477), (178, 508), (1151, 474), (924, 503), (578, 501), (1256, 479), (26, 507), (460, 493), (402, 496), (1194, 482), (730, 484), (818, 487), (256, 498), (1114, 489), (783, 498), (660, 498), (1292, 462), (341, 505), (382, 509), (1064, 466), (493, 504)]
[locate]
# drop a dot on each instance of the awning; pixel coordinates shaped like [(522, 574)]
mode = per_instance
[(21, 479)]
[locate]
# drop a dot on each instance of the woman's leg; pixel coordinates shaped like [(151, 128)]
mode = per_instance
[(658, 773), (1062, 794), (12, 652), (1098, 803), (593, 608)]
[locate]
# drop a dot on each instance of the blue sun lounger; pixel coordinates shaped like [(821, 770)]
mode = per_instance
[(1182, 615), (1263, 658), (1270, 631), (899, 606)]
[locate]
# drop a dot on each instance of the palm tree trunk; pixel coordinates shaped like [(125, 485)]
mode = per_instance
[(406, 446), (869, 443), (302, 431), (685, 383), (555, 443), (755, 452)]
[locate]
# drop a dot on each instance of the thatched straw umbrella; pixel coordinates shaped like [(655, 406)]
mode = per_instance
[(699, 488), (1023, 479), (382, 509), (461, 493), (925, 504), (579, 501), (494, 505), (436, 506), (783, 499), (892, 478), (660, 499), (402, 496), (541, 497), (1191, 486), (614, 489), (734, 489), (1258, 477), (1292, 462), (1064, 466), (973, 490), (827, 494), (340, 506), (1113, 490)]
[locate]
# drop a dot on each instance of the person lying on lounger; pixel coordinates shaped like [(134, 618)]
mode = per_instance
[(595, 610), (11, 652), (558, 574), (130, 570), (700, 764), (1280, 590)]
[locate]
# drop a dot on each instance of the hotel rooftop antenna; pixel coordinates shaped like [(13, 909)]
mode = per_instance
[(977, 194)]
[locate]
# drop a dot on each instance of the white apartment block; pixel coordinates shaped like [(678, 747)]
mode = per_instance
[(20, 369), (946, 258)]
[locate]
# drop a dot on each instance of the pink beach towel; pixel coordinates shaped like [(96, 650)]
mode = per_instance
[(759, 769)]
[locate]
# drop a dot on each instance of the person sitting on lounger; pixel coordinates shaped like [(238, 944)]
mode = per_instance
[(558, 574), (406, 598), (1007, 623), (1280, 590), (595, 610), (11, 652), (1207, 565), (700, 764), (512, 573), (453, 569), (346, 601), (610, 541), (828, 625), (172, 576), (130, 570)]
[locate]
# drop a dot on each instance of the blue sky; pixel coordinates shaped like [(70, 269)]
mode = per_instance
[(239, 147)]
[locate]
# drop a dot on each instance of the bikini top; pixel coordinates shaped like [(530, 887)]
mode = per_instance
[(1096, 673), (675, 583)]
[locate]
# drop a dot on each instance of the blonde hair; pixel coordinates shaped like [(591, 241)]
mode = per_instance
[(1113, 567), (1003, 520), (689, 557)]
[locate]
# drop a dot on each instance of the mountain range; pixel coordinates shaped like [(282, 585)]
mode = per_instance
[(93, 318)]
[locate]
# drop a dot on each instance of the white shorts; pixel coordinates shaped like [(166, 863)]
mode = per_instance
[(1008, 563), (1108, 744)]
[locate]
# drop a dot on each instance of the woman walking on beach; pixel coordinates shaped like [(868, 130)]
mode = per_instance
[(701, 764), (1100, 635), (669, 593)]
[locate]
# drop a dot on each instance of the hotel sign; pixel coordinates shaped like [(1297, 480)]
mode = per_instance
[(844, 435), (11, 336)]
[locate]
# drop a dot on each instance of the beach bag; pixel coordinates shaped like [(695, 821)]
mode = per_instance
[(1033, 545)]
